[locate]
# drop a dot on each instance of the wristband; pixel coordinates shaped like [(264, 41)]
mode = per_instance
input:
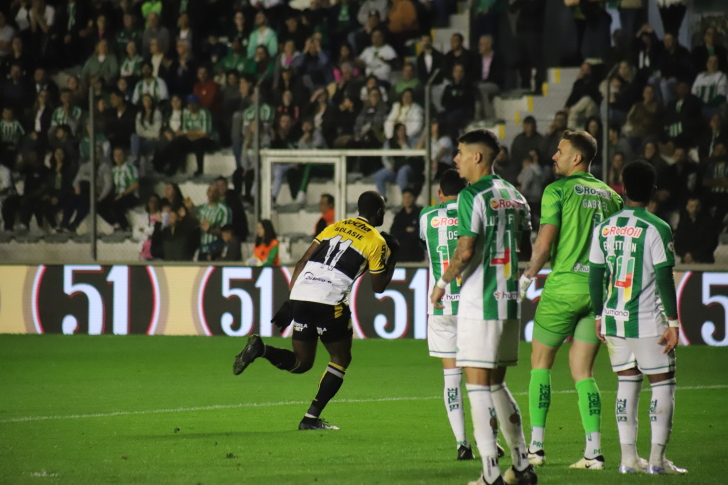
[(441, 284), (673, 323)]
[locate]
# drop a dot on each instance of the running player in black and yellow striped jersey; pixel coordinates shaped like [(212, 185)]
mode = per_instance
[(320, 288)]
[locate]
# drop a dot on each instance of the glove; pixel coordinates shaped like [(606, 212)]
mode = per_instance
[(283, 318), (391, 241), (523, 285)]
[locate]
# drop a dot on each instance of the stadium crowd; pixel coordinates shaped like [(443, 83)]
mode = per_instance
[(176, 77)]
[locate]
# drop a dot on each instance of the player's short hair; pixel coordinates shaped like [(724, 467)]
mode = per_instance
[(639, 179), (329, 198), (583, 143), (370, 202), (482, 137), (529, 120), (451, 183)]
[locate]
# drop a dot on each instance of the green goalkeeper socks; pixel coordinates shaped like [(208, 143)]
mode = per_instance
[(590, 405), (539, 401)]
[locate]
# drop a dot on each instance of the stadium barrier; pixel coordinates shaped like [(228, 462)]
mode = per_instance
[(237, 301)]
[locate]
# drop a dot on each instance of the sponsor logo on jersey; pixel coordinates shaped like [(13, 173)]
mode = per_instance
[(617, 314), (443, 221), (505, 295), (497, 204), (581, 268), (308, 276), (628, 231), (451, 297), (586, 190), (505, 261)]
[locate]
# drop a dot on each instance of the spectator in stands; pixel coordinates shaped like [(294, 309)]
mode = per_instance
[(7, 33), (35, 20), (128, 33), (615, 173), (593, 126), (529, 28), (131, 62), (99, 30), (126, 192), (647, 49), (15, 91), (313, 65), (406, 112), (696, 237), (529, 139), (288, 107), (192, 137), (120, 121), (9, 200), (63, 139), (183, 70), (262, 35), (429, 60), (346, 121), (342, 20), (674, 65), (378, 57), (403, 23), (152, 246), (551, 143), (507, 168), (346, 85), (711, 87), (621, 93), (156, 56), (323, 115), (644, 120), (181, 237), (265, 250), (238, 219), (585, 98), (459, 56), (369, 127), (408, 81), (716, 134), (235, 60), (41, 82), (149, 84), (709, 48), (212, 216), (530, 184), (66, 114), (59, 187), (310, 140), (490, 73), (617, 143), (83, 154), (685, 177), (184, 31), (157, 32), (458, 102), (441, 149), (683, 115), (239, 30), (231, 245), (406, 228), (347, 58), (173, 195), (78, 94), (39, 118), (372, 82), (35, 187), (213, 51), (293, 32), (261, 67), (11, 132), (716, 178), (19, 55), (398, 169), (326, 206), (282, 139), (148, 129), (207, 90), (78, 203)]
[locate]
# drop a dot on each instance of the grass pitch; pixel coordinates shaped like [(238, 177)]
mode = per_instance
[(155, 410)]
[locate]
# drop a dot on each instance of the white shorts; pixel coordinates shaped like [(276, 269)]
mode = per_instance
[(644, 353), (487, 343), (442, 333)]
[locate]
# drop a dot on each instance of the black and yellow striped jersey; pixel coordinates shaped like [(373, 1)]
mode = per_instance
[(346, 250)]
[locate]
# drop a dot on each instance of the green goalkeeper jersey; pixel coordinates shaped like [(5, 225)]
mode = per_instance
[(439, 233), (576, 205)]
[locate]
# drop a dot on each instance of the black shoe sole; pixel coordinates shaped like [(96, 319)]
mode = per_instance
[(248, 355)]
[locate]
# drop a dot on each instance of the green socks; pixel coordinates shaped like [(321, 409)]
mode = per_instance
[(590, 405), (539, 400)]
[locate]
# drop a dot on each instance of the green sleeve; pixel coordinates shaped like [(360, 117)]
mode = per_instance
[(271, 256), (551, 205), (465, 214), (596, 287), (666, 289), (208, 122)]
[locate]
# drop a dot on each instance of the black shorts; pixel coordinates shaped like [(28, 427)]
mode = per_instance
[(330, 323)]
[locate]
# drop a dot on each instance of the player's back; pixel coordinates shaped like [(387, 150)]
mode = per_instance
[(439, 231), (346, 250), (634, 243), (575, 204)]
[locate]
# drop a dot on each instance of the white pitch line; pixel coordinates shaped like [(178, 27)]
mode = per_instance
[(289, 403)]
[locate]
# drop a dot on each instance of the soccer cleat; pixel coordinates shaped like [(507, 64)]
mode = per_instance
[(536, 458), (640, 466), (253, 349), (481, 481), (525, 477), (596, 463), (317, 424), (667, 468), (465, 453)]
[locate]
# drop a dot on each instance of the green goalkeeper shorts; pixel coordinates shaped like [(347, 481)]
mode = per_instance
[(559, 316)]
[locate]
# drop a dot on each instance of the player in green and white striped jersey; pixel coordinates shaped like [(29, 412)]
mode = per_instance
[(635, 250), (492, 217), (213, 216), (438, 232)]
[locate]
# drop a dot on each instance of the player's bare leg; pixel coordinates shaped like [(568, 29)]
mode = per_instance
[(329, 385), (454, 406), (485, 423), (581, 361), (662, 408), (539, 391), (626, 411), (509, 416), (297, 361)]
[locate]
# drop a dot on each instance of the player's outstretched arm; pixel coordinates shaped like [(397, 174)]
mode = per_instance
[(666, 288), (460, 258), (302, 262)]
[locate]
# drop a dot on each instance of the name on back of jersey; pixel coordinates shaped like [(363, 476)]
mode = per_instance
[(351, 232)]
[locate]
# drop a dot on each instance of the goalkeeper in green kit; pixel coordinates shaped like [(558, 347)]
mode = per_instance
[(570, 209)]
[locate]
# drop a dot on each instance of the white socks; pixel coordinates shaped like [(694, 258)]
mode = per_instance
[(662, 407), (537, 436), (484, 420), (593, 446), (454, 404), (509, 417), (626, 410)]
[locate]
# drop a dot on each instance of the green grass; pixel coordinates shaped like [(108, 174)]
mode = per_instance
[(405, 440)]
